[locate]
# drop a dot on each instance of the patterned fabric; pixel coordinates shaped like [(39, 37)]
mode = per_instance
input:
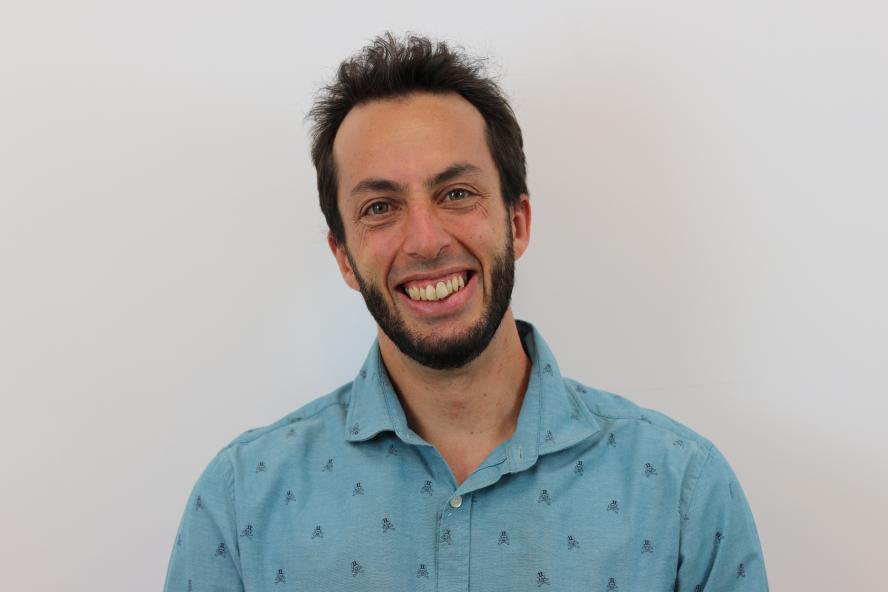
[(591, 493)]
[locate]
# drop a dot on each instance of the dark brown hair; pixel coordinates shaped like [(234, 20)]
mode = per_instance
[(389, 68)]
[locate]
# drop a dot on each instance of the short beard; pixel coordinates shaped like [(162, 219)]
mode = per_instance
[(456, 352)]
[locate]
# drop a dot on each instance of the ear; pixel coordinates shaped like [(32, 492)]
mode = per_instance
[(345, 267), (520, 219)]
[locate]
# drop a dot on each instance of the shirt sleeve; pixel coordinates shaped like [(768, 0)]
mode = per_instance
[(719, 549), (205, 554)]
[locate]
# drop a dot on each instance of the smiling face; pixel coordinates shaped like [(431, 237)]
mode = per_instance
[(429, 242)]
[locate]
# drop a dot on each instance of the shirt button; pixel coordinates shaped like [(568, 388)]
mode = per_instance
[(456, 502)]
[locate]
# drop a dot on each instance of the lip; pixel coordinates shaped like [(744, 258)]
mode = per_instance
[(445, 307)]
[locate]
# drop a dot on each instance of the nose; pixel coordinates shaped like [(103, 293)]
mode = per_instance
[(426, 235)]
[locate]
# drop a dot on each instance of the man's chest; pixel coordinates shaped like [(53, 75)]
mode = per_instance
[(398, 526)]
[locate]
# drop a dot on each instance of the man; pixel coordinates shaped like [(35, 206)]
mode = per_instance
[(459, 458)]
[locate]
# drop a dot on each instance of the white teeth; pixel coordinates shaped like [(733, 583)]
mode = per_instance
[(438, 291)]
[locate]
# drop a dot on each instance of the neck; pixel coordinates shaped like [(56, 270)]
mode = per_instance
[(477, 404)]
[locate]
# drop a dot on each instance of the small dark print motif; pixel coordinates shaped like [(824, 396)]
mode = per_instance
[(644, 419), (649, 470), (291, 497), (731, 489), (698, 588), (363, 373), (581, 388), (291, 433), (679, 443), (178, 540), (549, 436), (317, 533), (359, 489), (356, 568), (295, 419), (741, 571), (612, 584), (572, 543), (280, 578), (719, 537), (614, 507), (221, 551), (445, 537), (544, 497), (393, 451), (248, 532), (422, 572), (647, 547), (198, 505), (542, 579), (260, 468), (189, 585), (548, 369), (611, 441), (387, 525), (426, 488), (355, 429), (328, 466), (579, 468), (503, 538)]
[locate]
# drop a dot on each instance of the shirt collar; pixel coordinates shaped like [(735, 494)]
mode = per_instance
[(552, 416)]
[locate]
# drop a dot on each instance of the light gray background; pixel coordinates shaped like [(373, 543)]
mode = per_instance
[(708, 189)]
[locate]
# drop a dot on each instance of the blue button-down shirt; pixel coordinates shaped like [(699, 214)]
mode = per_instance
[(592, 492)]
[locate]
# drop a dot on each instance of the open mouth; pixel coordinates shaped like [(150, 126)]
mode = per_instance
[(437, 289)]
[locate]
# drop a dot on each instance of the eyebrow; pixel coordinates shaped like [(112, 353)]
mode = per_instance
[(376, 184), (452, 172)]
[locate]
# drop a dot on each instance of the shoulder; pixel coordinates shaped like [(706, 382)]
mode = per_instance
[(611, 409), (326, 411), (649, 431), (267, 449)]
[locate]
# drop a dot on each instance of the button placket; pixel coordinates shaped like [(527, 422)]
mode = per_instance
[(453, 551)]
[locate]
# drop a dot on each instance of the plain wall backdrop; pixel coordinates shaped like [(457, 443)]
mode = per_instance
[(708, 183)]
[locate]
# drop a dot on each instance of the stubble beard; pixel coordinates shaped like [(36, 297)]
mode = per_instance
[(446, 353)]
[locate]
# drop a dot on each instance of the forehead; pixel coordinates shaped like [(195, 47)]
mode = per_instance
[(407, 138)]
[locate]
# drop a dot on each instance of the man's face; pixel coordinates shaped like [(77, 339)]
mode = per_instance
[(420, 200)]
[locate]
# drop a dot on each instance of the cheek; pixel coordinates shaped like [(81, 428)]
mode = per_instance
[(379, 262)]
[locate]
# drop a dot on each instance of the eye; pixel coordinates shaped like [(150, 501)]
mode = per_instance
[(457, 194), (377, 208)]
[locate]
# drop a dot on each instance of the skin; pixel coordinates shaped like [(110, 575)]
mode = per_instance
[(471, 406)]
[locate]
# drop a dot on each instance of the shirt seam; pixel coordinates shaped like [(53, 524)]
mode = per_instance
[(698, 477), (327, 406), (284, 422), (661, 427), (746, 511), (229, 474)]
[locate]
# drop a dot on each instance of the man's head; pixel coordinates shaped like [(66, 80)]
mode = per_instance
[(421, 177)]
